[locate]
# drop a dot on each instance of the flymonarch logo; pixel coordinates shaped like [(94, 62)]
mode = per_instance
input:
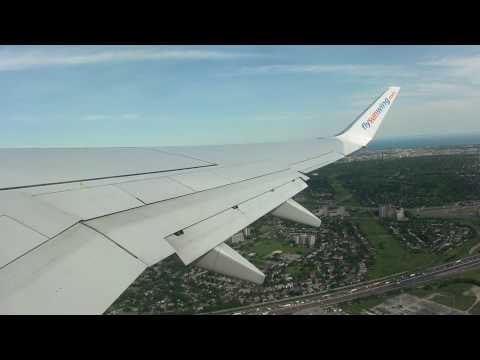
[(383, 105)]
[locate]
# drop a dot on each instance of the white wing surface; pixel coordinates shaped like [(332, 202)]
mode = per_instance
[(78, 226)]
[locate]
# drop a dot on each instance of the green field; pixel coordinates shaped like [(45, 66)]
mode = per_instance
[(457, 302), (409, 182), (357, 306), (348, 182), (264, 247), (343, 197), (454, 291), (391, 257), (475, 310), (299, 271)]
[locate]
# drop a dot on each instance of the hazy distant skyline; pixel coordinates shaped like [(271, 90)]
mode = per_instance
[(193, 95)]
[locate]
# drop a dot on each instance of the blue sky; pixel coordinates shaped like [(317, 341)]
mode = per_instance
[(192, 95)]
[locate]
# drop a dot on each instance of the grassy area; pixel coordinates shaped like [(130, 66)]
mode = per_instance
[(299, 271), (457, 302), (294, 270), (410, 182), (475, 310), (454, 291), (356, 307), (420, 292), (475, 223), (343, 197), (458, 289), (461, 251), (471, 277), (391, 257), (265, 247)]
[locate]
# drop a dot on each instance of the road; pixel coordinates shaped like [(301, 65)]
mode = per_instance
[(355, 291)]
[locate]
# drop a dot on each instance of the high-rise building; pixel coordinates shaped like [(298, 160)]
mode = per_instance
[(304, 238), (238, 237), (241, 235), (400, 213), (387, 211)]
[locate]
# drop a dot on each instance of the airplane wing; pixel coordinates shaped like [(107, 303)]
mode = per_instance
[(78, 226)]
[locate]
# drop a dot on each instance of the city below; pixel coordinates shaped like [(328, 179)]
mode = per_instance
[(400, 234)]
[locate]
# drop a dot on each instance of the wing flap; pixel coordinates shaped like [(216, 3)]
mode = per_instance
[(198, 239), (143, 230)]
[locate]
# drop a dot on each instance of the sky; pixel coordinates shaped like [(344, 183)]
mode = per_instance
[(74, 96)]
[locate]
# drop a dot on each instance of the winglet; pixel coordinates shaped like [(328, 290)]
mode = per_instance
[(364, 128)]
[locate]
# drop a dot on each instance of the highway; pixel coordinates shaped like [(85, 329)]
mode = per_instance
[(355, 291)]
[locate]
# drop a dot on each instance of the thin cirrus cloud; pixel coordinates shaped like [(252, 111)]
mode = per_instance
[(349, 69), (99, 117), (19, 59), (450, 76), (455, 61), (464, 66)]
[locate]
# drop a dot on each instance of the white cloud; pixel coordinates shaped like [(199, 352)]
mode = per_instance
[(462, 66), (456, 61), (95, 117), (441, 116), (130, 116), (368, 70), (425, 92), (18, 58), (441, 89), (98, 117)]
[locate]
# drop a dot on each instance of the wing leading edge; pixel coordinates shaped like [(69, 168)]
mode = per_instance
[(72, 241)]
